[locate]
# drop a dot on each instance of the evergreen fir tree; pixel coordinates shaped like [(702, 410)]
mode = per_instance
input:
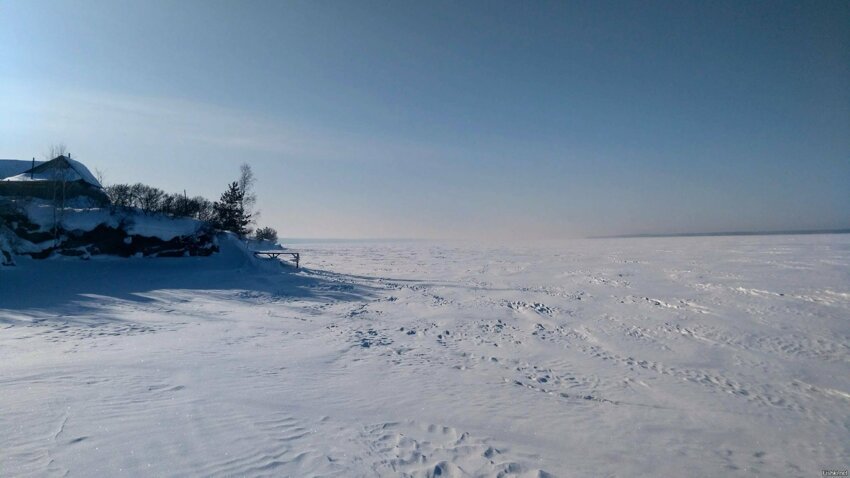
[(230, 214)]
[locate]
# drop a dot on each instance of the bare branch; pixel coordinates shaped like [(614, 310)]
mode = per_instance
[(55, 150)]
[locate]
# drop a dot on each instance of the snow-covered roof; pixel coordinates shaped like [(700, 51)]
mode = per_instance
[(13, 167), (84, 173), (58, 169)]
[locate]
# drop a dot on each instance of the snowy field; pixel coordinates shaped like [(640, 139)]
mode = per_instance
[(725, 356)]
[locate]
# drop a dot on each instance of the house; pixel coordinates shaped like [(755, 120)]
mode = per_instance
[(61, 178), (13, 167)]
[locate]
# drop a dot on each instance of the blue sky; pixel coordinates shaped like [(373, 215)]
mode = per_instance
[(519, 120)]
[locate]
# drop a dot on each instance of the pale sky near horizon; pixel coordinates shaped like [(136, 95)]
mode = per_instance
[(514, 120)]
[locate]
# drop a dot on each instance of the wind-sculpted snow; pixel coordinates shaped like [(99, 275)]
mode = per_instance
[(628, 357)]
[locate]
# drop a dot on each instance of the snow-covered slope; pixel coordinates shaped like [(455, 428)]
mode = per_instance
[(639, 357)]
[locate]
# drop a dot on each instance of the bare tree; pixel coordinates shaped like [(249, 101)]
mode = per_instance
[(55, 150), (147, 198), (120, 196), (204, 208), (246, 185), (59, 179)]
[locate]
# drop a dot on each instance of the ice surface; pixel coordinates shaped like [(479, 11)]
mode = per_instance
[(622, 357)]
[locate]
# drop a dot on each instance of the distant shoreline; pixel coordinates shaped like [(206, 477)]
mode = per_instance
[(732, 233)]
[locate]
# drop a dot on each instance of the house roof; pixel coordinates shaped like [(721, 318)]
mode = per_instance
[(58, 169), (12, 167)]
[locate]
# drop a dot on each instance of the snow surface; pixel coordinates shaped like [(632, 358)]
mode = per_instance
[(623, 357)]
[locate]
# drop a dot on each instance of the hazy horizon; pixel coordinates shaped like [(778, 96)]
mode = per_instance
[(450, 120)]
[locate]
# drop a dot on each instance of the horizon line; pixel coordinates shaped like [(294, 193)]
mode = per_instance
[(788, 232)]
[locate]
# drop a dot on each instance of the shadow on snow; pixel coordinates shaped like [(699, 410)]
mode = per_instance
[(82, 291)]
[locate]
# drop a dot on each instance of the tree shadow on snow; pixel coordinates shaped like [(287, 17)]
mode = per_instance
[(96, 291)]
